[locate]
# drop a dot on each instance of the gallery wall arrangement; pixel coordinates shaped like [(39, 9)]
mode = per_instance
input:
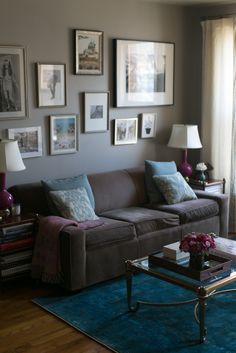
[(144, 76)]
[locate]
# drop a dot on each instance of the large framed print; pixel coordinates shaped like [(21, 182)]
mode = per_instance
[(29, 140), (88, 52), (63, 134), (13, 83), (126, 131), (144, 73), (51, 85), (96, 111)]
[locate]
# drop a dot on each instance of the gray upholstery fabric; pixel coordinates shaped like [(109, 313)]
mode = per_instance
[(190, 211), (112, 231), (145, 220)]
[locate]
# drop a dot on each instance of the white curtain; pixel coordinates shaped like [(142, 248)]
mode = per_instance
[(218, 104)]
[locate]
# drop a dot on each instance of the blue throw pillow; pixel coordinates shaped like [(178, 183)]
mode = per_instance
[(73, 204), (157, 168), (174, 188), (67, 184)]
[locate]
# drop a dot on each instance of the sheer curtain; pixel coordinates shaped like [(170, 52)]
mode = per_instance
[(218, 127)]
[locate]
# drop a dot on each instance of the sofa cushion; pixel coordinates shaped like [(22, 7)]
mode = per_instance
[(67, 184), (194, 210), (145, 220), (73, 204), (174, 188), (156, 168), (111, 232)]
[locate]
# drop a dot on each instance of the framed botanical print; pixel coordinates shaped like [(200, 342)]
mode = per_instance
[(144, 73), (13, 83), (148, 125), (63, 134), (88, 52), (96, 111), (126, 131), (51, 79), (29, 140)]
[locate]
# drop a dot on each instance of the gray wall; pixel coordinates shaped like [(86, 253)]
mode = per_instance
[(45, 28)]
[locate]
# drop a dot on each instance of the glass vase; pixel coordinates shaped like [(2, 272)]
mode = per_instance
[(197, 261)]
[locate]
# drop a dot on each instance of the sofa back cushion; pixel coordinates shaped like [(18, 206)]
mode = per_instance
[(118, 189)]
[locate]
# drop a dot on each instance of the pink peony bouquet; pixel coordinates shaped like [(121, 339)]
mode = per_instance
[(196, 243)]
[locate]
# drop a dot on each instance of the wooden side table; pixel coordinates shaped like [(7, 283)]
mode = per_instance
[(212, 185)]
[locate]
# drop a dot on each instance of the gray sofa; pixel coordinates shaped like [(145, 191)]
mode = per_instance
[(132, 228)]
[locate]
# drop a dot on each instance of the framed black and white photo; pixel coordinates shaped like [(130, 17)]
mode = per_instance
[(148, 125), (88, 52), (96, 111), (51, 79), (63, 134), (126, 131), (13, 83), (29, 140), (144, 73)]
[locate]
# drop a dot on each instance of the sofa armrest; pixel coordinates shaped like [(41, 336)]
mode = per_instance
[(223, 202), (73, 258)]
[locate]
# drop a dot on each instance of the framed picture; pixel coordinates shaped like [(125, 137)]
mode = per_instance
[(126, 131), (51, 79), (148, 125), (88, 52), (144, 73), (13, 83), (63, 134), (96, 111), (29, 140)]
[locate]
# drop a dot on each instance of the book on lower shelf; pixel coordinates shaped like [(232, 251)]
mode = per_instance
[(225, 248), (15, 270), (173, 252)]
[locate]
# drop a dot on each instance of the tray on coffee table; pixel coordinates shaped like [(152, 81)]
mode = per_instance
[(214, 266)]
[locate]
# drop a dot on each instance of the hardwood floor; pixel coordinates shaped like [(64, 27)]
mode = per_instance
[(25, 327)]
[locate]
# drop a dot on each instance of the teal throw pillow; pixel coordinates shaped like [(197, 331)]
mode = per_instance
[(156, 168), (67, 184), (73, 204), (174, 188)]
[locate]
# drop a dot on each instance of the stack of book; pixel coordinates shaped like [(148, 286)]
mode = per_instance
[(173, 252), (16, 244)]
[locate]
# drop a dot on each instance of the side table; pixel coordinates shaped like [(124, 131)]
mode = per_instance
[(212, 185)]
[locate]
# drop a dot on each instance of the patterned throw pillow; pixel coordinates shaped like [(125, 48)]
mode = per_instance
[(174, 188), (73, 204)]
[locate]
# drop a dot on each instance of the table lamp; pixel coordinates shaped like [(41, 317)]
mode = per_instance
[(185, 137), (10, 161)]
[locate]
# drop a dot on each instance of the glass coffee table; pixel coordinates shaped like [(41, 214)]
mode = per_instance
[(203, 289)]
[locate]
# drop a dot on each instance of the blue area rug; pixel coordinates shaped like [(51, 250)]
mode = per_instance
[(101, 313)]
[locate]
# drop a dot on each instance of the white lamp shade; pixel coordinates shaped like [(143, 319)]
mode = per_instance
[(10, 157), (184, 136)]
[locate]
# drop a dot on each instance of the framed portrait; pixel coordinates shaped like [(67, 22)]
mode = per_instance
[(148, 125), (144, 73), (13, 83), (96, 111), (88, 52), (126, 131), (29, 140), (51, 82), (63, 134)]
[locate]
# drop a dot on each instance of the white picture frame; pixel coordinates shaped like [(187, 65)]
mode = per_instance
[(126, 131), (29, 140), (63, 134), (96, 112), (144, 73), (148, 125)]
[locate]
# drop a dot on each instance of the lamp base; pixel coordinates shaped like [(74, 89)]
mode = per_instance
[(6, 200), (185, 168)]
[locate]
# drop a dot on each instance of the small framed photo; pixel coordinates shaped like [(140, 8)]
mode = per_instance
[(13, 83), (29, 140), (148, 125), (63, 134), (144, 73), (51, 80), (126, 131), (96, 111), (88, 52)]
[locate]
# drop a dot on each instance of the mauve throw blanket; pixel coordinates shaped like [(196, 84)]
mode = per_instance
[(46, 264)]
